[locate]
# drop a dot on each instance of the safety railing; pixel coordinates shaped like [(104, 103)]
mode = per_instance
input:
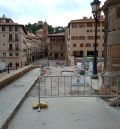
[(78, 86), (84, 85)]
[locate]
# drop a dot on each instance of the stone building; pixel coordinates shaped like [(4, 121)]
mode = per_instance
[(56, 46), (111, 10), (12, 43), (80, 36), (34, 48), (112, 35), (43, 34)]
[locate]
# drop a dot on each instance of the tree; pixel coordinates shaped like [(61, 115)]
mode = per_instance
[(32, 28)]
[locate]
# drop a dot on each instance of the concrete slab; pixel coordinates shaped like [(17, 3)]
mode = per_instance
[(67, 113), (12, 95)]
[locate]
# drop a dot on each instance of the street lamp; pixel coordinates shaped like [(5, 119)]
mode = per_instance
[(96, 14)]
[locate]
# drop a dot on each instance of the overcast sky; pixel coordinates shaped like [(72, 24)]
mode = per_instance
[(55, 12)]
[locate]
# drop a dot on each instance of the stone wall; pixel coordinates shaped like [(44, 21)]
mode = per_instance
[(9, 78)]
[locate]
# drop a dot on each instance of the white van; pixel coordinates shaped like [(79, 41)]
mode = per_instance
[(2, 67)]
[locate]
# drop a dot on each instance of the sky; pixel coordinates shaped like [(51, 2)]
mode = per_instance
[(55, 12)]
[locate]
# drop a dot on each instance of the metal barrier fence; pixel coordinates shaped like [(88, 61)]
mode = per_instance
[(77, 86), (52, 86)]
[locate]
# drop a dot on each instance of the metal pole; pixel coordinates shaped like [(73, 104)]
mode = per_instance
[(91, 86), (71, 85), (58, 86), (84, 84), (64, 87), (39, 87), (39, 95), (8, 69), (117, 94), (51, 85), (45, 84), (95, 50)]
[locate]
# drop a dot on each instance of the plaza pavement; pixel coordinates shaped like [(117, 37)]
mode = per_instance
[(67, 113), (12, 97)]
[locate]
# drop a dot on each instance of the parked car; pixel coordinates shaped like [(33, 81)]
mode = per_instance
[(3, 67)]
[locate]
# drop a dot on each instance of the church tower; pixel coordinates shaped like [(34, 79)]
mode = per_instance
[(45, 28)]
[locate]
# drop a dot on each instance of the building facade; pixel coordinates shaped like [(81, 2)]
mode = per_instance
[(80, 36), (12, 43), (111, 10), (34, 48), (112, 35), (56, 46)]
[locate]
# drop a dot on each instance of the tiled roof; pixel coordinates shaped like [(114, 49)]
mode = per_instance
[(57, 34)]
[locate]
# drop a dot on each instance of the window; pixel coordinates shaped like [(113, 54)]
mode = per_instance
[(62, 54), (7, 21), (10, 64), (50, 39), (10, 28), (10, 46), (88, 45), (74, 53), (61, 47), (10, 37), (17, 64), (73, 38), (103, 24), (102, 30), (98, 37), (96, 45), (16, 54), (91, 37), (98, 24), (102, 53), (74, 45), (3, 28), (4, 54), (81, 53), (16, 28), (51, 47), (81, 45), (53, 39), (74, 25), (118, 11), (16, 47), (10, 54), (81, 25), (50, 54), (59, 39), (89, 24), (81, 37), (3, 44), (87, 30), (98, 30), (16, 37), (63, 39)]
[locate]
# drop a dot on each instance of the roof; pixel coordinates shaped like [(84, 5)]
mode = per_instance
[(56, 34), (85, 19), (11, 23)]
